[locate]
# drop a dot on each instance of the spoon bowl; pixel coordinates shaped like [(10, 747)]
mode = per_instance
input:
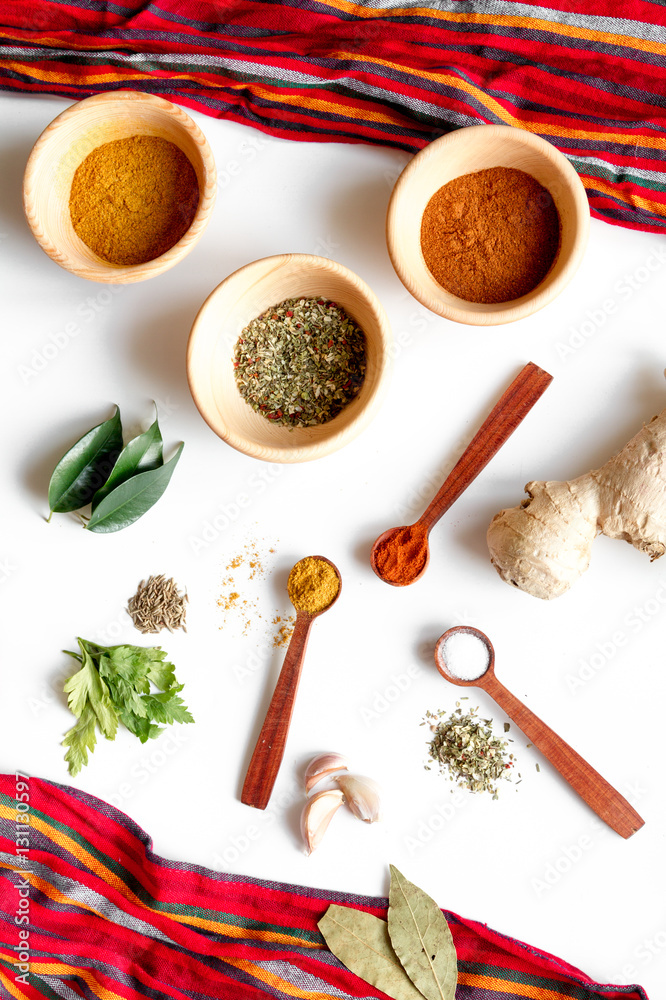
[(605, 800), (269, 750), (442, 666), (415, 571)]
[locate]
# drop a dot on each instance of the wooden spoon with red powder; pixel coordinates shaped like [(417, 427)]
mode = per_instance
[(400, 556)]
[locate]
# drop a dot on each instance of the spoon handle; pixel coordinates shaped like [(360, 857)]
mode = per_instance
[(506, 415), (605, 800), (269, 749)]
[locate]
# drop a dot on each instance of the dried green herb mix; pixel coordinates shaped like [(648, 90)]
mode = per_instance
[(465, 746), (301, 362)]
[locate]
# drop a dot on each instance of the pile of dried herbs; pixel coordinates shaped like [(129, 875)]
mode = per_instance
[(301, 362), (466, 747)]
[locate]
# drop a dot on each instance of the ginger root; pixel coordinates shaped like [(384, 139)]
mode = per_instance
[(544, 545)]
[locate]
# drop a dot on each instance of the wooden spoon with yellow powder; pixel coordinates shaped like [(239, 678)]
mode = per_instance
[(314, 586)]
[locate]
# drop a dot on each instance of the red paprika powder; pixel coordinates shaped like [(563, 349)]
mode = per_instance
[(401, 556), (490, 236)]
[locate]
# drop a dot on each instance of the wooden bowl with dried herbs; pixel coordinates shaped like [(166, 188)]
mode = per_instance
[(289, 358), (119, 187), (487, 224)]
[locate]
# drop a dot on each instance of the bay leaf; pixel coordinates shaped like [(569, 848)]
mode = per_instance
[(130, 501), (421, 938), (86, 466), (361, 942), (141, 454)]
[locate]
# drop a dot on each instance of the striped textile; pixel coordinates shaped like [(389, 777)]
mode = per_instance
[(88, 910), (395, 73)]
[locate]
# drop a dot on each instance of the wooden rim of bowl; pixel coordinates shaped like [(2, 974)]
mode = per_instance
[(106, 272), (457, 309), (251, 275)]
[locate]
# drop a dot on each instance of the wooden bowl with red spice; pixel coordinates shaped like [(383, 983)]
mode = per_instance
[(487, 225), (119, 187)]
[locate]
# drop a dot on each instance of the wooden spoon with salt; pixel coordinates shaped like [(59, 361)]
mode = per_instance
[(473, 671), (411, 541), (269, 750)]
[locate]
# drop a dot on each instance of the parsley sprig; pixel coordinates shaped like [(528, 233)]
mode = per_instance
[(115, 685)]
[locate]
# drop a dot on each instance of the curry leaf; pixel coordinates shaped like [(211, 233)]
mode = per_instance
[(86, 466), (139, 455), (130, 501), (361, 942), (421, 939)]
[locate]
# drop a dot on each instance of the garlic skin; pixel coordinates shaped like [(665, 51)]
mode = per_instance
[(317, 813), (362, 795), (323, 765)]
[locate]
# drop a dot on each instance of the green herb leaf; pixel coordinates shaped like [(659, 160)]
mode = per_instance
[(130, 501), (166, 707), (86, 466), (79, 740), (421, 939), (113, 684), (361, 942), (140, 454)]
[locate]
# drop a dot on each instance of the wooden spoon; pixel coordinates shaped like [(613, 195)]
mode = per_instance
[(506, 415), (269, 749), (605, 800)]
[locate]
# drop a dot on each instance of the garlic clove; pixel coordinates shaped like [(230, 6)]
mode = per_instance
[(321, 766), (362, 795), (317, 814)]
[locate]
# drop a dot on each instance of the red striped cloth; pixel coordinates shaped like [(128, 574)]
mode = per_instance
[(88, 910), (589, 76)]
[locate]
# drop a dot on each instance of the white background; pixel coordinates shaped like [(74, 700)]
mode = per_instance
[(536, 864)]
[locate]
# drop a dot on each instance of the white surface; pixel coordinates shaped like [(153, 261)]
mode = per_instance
[(536, 864)]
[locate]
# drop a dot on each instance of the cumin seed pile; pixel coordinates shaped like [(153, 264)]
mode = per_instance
[(157, 605)]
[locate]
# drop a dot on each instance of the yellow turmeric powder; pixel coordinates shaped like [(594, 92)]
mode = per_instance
[(132, 199), (313, 584)]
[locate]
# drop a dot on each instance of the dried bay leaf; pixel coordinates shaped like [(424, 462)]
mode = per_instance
[(361, 942), (141, 454), (420, 937), (133, 498), (86, 466)]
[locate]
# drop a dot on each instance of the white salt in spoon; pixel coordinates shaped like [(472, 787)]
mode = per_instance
[(465, 656)]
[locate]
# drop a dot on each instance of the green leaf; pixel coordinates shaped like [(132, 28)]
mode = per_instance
[(85, 689), (79, 740), (86, 466), (162, 675), (361, 942), (83, 686), (139, 455), (421, 939), (142, 728), (166, 707), (130, 501)]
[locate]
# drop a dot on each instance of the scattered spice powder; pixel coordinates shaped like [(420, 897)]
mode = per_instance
[(234, 605), (284, 632), (464, 746), (402, 555), (301, 362), (157, 605), (490, 236), (313, 585), (132, 199)]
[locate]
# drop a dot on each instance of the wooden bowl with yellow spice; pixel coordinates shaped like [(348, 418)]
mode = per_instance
[(487, 224), (119, 187), (289, 358)]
